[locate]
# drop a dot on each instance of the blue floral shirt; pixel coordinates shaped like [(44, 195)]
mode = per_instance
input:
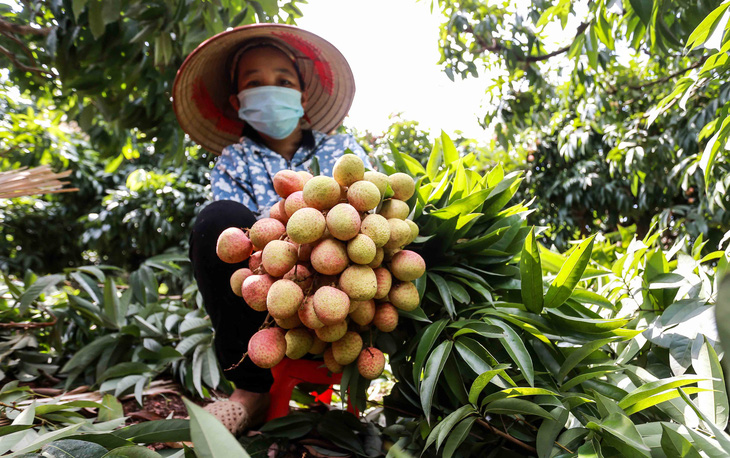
[(244, 171)]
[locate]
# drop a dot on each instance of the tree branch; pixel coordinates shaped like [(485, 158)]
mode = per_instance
[(668, 77), (496, 47), (501, 433), (22, 45), (22, 66), (24, 29)]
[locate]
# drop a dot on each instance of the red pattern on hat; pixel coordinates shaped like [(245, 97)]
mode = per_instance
[(208, 109), (323, 69)]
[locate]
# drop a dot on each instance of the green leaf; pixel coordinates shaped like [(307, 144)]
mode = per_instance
[(643, 10), (111, 409), (714, 401), (451, 155), (531, 274), (570, 274), (75, 448), (580, 354), (628, 440), (458, 435), (434, 366), (293, 426), (703, 31), (425, 344), (462, 206), (172, 430), (722, 438), (440, 432), (482, 380), (443, 289), (96, 19), (134, 451), (434, 160), (676, 446), (516, 349), (210, 437), (513, 406), (549, 430), (651, 388), (78, 7), (47, 438), (651, 401), (112, 306), (37, 288), (586, 325)]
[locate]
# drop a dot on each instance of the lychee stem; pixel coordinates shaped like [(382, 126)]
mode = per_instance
[(267, 322), (238, 363)]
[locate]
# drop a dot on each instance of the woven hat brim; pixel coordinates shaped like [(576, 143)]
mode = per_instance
[(201, 89)]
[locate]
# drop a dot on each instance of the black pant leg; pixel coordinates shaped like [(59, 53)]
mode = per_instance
[(234, 322)]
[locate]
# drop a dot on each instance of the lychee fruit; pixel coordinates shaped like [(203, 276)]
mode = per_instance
[(343, 221), (298, 342), (284, 299), (305, 251), (407, 265), (254, 262), (307, 314), (318, 346), (265, 230), (402, 185), (233, 246), (380, 180), (359, 282), (394, 208), (237, 279), (348, 169), (378, 260), (361, 249), (347, 349), (306, 225), (414, 231), (363, 195), (385, 281), (289, 323), (294, 202), (386, 317), (329, 361), (322, 193), (301, 275), (331, 305), (371, 363), (287, 182), (329, 257), (278, 212), (267, 347), (377, 228), (255, 289), (306, 176), (400, 232), (404, 295), (332, 332), (364, 312), (278, 257)]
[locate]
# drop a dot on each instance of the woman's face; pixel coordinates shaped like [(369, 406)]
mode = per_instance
[(266, 66)]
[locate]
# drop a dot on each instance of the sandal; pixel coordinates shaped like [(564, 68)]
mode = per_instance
[(233, 415)]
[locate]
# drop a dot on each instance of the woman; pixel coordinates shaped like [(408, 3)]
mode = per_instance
[(261, 96)]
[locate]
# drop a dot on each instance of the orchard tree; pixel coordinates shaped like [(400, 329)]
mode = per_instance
[(610, 139)]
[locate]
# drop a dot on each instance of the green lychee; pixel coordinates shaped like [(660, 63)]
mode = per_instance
[(347, 349), (278, 257), (322, 193), (318, 346), (414, 231), (332, 332), (377, 228), (385, 281), (361, 249), (394, 208), (404, 295), (380, 180), (363, 195), (348, 169), (364, 313), (402, 185), (289, 323), (329, 361), (400, 232), (407, 265), (306, 225), (298, 342), (343, 221), (284, 299), (237, 280), (378, 259), (307, 314), (359, 282)]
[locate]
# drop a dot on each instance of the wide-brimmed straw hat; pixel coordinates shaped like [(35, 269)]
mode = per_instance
[(203, 83)]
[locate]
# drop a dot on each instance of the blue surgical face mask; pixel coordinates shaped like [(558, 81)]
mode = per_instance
[(272, 110)]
